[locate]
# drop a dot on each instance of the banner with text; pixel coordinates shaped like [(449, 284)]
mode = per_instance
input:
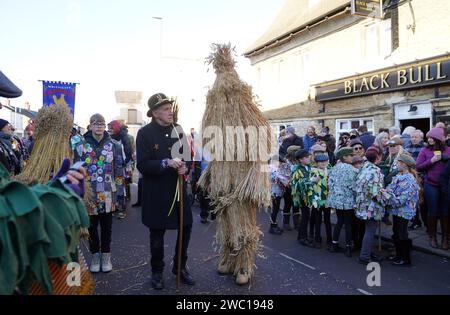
[(63, 93)]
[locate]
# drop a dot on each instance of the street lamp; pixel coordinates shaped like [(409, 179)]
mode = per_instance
[(160, 34)]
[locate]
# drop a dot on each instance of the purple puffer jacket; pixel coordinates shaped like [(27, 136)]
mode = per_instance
[(433, 171)]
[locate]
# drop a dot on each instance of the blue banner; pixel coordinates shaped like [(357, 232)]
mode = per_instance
[(59, 93)]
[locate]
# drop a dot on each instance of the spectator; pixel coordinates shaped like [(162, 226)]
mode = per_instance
[(354, 134), (330, 141), (28, 140), (7, 156), (281, 137), (310, 138), (432, 160), (366, 138), (406, 135), (380, 130), (325, 140), (280, 180), (447, 140), (445, 186), (357, 146), (394, 131), (291, 139), (416, 144), (380, 142), (440, 125), (344, 139)]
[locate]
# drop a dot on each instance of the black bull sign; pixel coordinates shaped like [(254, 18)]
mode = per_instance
[(401, 78)]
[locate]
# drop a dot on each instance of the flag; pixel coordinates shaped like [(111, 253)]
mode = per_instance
[(62, 93)]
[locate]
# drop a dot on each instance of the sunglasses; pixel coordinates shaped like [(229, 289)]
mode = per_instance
[(358, 148)]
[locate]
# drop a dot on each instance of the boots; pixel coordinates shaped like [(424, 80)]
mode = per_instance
[(296, 219), (242, 277), (286, 219), (432, 223), (405, 257), (445, 227), (274, 229), (335, 248), (396, 256), (348, 251)]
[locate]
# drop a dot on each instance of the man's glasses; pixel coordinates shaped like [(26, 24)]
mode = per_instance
[(99, 124), (358, 148)]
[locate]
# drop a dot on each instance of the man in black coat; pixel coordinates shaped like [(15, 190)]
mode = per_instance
[(160, 169), (291, 139)]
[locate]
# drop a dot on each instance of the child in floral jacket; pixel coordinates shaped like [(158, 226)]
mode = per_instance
[(401, 198)]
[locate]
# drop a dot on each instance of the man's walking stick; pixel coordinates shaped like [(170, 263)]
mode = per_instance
[(180, 230)]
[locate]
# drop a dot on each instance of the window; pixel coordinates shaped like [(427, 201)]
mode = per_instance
[(346, 125), (132, 117), (372, 50), (385, 38)]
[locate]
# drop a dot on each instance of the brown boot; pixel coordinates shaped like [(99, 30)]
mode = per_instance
[(445, 231), (242, 277), (432, 224)]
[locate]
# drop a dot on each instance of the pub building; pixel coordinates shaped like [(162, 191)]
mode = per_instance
[(318, 64)]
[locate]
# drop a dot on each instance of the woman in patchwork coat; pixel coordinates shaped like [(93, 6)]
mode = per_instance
[(369, 206)]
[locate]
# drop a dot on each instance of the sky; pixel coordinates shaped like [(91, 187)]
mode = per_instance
[(118, 45)]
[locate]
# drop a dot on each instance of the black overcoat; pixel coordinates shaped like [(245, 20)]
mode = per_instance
[(153, 144)]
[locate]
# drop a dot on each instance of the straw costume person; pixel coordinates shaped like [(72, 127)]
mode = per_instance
[(236, 187)]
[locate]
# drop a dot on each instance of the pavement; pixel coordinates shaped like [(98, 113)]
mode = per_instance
[(283, 267)]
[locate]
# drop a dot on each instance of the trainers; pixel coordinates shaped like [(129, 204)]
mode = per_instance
[(106, 262), (121, 215), (95, 263)]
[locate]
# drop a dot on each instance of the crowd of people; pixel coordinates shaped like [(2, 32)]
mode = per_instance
[(398, 178)]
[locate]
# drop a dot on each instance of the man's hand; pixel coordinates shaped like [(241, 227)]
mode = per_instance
[(182, 170), (175, 163)]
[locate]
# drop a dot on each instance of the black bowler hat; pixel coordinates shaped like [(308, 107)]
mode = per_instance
[(156, 101), (7, 88)]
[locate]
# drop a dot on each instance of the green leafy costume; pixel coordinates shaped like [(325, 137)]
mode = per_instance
[(37, 224)]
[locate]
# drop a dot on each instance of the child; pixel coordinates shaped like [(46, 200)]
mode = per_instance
[(401, 197), (300, 187), (318, 198), (280, 181)]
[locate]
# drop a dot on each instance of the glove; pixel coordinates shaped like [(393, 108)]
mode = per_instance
[(61, 175)]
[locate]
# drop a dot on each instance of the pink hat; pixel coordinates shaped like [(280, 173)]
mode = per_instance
[(437, 134)]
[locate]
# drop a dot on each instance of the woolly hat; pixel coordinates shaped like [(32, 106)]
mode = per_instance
[(115, 126), (318, 148), (343, 152), (437, 134), (321, 158), (3, 123), (407, 159), (300, 154), (290, 130)]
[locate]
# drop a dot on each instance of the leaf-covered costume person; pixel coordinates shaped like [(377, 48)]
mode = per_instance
[(318, 190), (38, 225), (301, 185), (238, 187)]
